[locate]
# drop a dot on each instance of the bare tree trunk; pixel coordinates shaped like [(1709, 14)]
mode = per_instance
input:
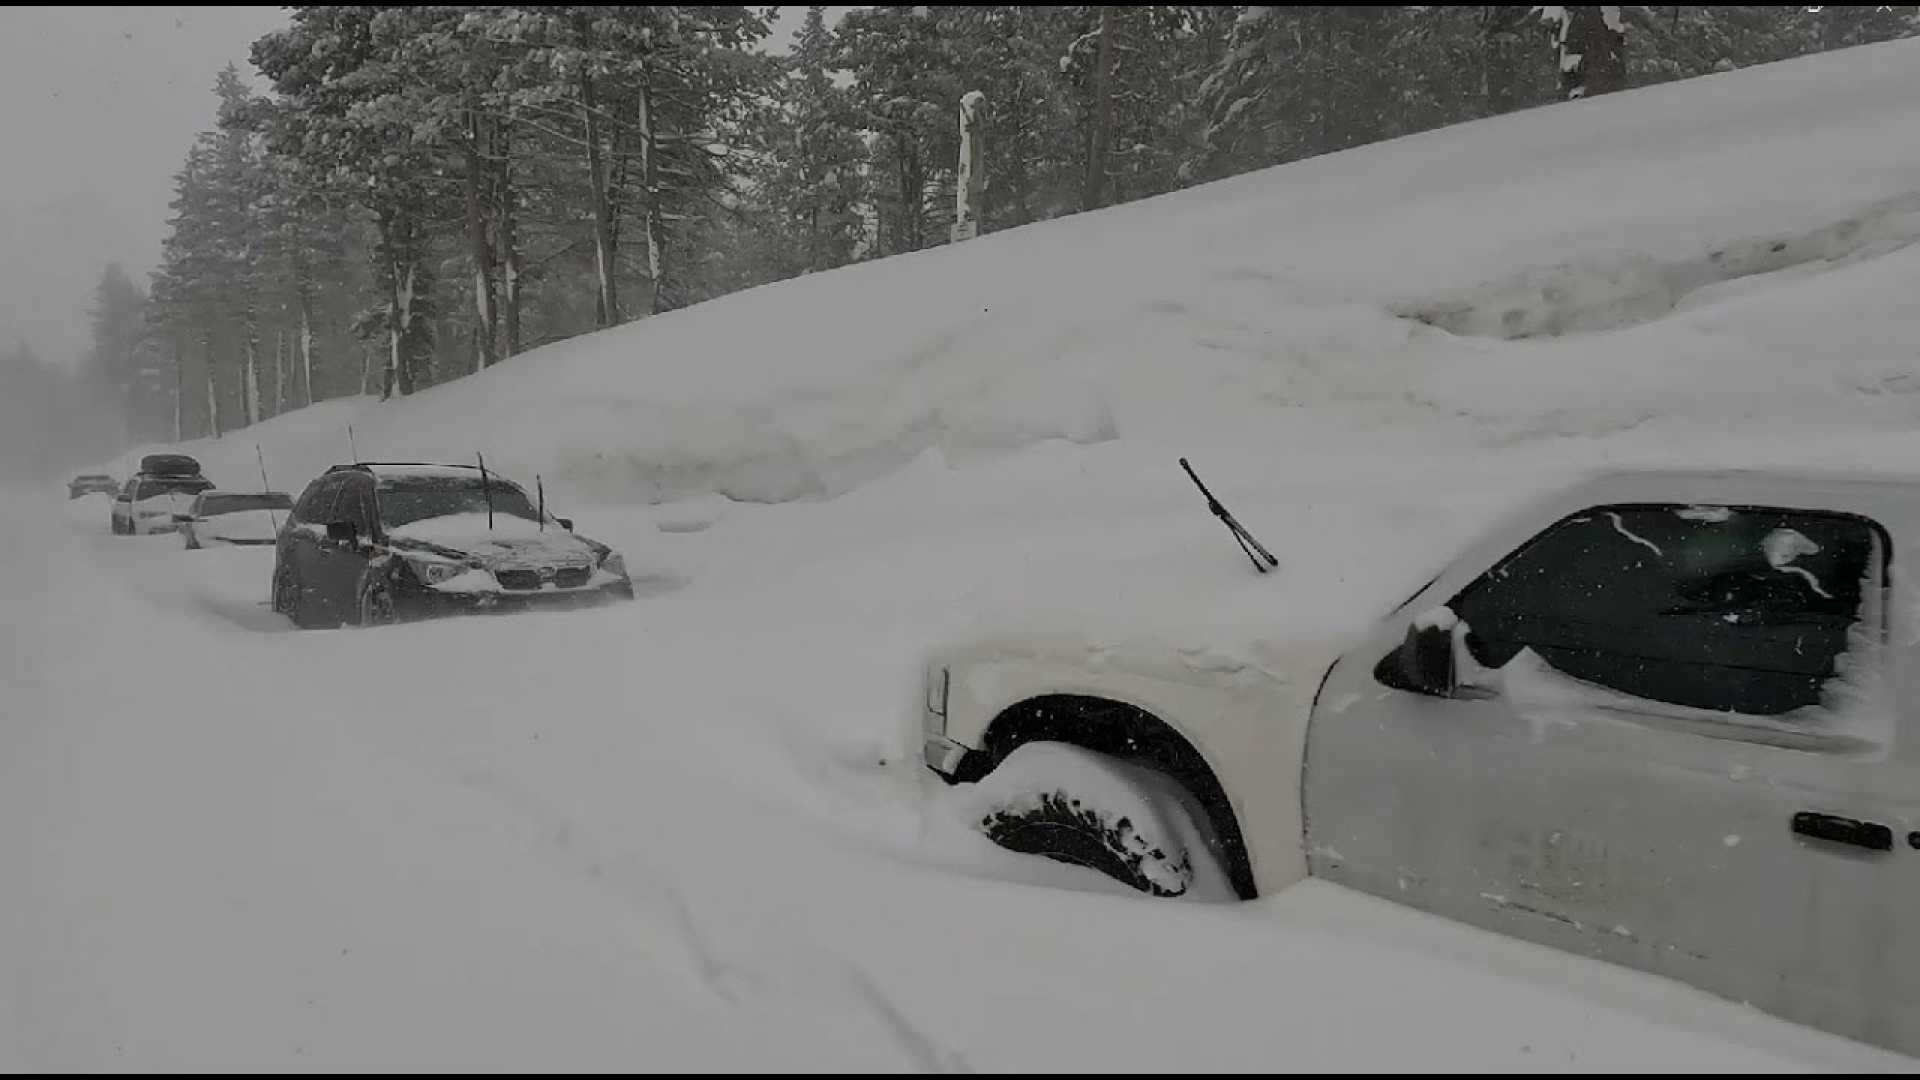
[(213, 393), (606, 307), (1592, 51), (390, 383), (971, 176), (250, 378), (401, 264), (911, 192), (179, 386), (279, 371), (652, 222), (480, 250), (1094, 192), (306, 346), (508, 250), (1499, 76)]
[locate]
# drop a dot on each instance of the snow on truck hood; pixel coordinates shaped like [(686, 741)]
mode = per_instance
[(512, 541), (1225, 662)]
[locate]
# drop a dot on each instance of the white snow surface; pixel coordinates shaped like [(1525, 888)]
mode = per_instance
[(691, 831), (506, 531), (241, 525)]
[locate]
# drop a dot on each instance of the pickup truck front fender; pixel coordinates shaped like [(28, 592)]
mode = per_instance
[(1229, 729)]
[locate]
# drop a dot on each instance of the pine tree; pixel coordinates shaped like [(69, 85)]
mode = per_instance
[(1592, 46), (339, 69), (906, 91), (799, 203), (118, 367)]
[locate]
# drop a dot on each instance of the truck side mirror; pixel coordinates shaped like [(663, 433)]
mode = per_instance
[(1423, 664), (565, 523), (342, 532)]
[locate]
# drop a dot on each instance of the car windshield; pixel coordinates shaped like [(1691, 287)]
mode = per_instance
[(212, 505), (153, 489), (405, 501)]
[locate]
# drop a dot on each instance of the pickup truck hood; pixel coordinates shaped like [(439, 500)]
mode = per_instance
[(1238, 664)]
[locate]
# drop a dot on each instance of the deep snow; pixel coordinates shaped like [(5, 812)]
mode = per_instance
[(690, 831)]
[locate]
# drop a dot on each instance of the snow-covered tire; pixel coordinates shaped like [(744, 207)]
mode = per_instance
[(376, 604), (288, 600), (1087, 809)]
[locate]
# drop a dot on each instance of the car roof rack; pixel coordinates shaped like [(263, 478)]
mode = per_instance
[(369, 466)]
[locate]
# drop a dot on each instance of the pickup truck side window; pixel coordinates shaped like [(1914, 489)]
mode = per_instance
[(1715, 607)]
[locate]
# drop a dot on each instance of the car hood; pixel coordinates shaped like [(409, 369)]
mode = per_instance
[(242, 525), (172, 502), (511, 542)]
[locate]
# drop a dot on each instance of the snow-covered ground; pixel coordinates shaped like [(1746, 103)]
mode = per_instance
[(690, 831)]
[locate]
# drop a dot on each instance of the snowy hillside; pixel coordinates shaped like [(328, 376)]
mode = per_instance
[(690, 831)]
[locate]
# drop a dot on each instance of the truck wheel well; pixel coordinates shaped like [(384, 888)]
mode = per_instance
[(1131, 734)]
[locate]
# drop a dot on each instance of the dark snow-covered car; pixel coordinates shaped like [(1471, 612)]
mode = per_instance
[(219, 518), (148, 504), (377, 543), (90, 483)]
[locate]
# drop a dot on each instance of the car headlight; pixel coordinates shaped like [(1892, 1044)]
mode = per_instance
[(435, 571), (613, 564)]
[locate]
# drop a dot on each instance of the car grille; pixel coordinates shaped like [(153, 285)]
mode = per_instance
[(518, 579), (566, 577)]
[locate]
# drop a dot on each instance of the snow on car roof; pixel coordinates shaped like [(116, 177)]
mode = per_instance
[(404, 468), (413, 471), (387, 473)]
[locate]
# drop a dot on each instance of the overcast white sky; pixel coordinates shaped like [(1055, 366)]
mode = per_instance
[(97, 108)]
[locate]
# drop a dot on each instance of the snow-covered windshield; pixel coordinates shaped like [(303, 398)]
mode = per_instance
[(416, 498), (214, 505)]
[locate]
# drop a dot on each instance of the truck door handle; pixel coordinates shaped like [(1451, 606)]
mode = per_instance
[(1841, 830)]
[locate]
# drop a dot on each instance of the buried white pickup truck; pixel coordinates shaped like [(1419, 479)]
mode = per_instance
[(1668, 720)]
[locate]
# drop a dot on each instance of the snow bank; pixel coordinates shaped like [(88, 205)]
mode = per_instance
[(690, 831), (1262, 311)]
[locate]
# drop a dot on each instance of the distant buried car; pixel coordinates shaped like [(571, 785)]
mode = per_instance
[(90, 483), (377, 543), (219, 518), (148, 504)]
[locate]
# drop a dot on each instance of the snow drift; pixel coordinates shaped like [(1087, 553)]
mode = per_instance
[(689, 831)]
